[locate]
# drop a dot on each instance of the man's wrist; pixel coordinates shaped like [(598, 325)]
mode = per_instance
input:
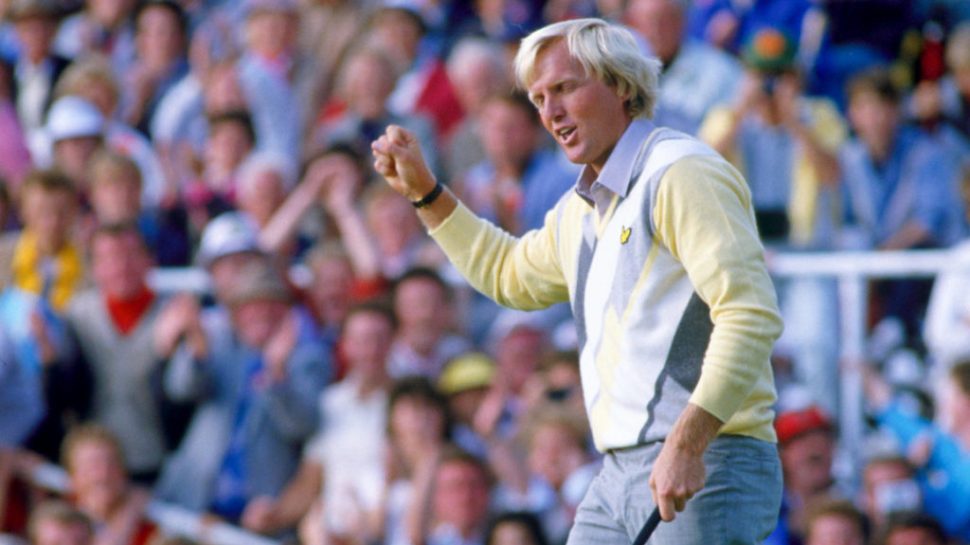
[(429, 197)]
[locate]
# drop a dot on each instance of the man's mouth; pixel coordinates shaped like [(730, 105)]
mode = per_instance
[(564, 134)]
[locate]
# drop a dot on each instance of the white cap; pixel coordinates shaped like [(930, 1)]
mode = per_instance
[(73, 117), (230, 233)]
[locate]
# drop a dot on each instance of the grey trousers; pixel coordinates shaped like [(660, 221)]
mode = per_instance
[(738, 505)]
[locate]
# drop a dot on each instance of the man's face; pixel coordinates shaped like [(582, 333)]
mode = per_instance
[(97, 475), (583, 114), (270, 33), (872, 117), (49, 215), (158, 39), (226, 270), (120, 264), (228, 145), (660, 22), (366, 342), (117, 200), (554, 454), (73, 155), (257, 320), (420, 302), (835, 529), (808, 461), (461, 495), (508, 134), (35, 35), (518, 355), (262, 196)]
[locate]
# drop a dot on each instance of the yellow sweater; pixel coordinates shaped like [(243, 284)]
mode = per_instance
[(667, 283)]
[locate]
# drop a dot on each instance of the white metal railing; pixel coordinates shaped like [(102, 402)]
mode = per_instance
[(171, 519), (852, 272)]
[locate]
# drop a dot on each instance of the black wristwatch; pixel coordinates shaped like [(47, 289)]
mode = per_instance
[(430, 197)]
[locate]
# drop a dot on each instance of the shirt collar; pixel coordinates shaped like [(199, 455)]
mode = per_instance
[(617, 173)]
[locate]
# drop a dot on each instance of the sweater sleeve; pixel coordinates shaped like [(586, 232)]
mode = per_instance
[(523, 273), (703, 215)]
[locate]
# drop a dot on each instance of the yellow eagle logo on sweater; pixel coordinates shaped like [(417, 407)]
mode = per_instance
[(625, 235)]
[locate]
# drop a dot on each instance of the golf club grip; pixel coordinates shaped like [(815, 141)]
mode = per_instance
[(648, 527)]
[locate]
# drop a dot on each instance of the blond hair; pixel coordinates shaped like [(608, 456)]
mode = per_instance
[(607, 52)]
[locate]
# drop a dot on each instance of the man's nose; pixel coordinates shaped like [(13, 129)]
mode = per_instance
[(551, 110)]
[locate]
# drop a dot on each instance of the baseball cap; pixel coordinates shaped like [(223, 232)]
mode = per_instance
[(229, 233), (73, 117), (467, 372), (794, 423), (769, 50)]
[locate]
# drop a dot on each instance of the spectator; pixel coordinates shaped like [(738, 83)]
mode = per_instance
[(558, 468), (262, 182), (517, 356), (424, 310), (515, 528), (792, 185), (113, 326), (340, 173), (366, 81), (48, 201), (342, 463), (102, 26), (478, 69), (697, 76), (423, 87), (913, 529), (558, 380), (116, 189), (466, 381), (231, 139), (331, 292), (43, 271), (91, 78), (257, 379), (897, 183), (806, 441), (38, 67), (264, 74), (161, 41), (898, 189), (938, 451), (400, 239), (889, 488), (521, 178), (836, 522), (57, 523), (327, 30), (450, 503), (76, 131), (944, 101), (419, 425), (229, 244), (100, 488)]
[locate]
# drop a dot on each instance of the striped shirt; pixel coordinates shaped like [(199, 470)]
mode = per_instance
[(660, 259)]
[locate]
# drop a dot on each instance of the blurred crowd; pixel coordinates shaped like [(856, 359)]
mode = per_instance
[(339, 383)]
